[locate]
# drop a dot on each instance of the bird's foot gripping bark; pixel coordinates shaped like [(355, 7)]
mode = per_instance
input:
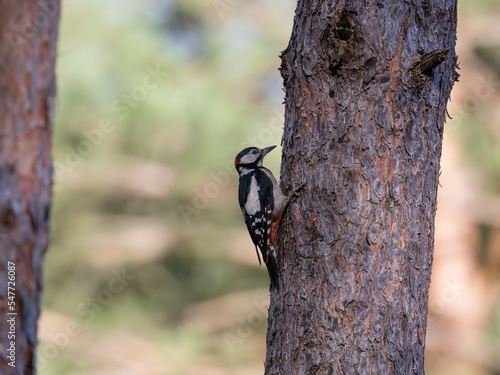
[(294, 193), (277, 218)]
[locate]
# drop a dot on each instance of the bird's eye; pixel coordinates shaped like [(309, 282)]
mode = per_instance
[(254, 151)]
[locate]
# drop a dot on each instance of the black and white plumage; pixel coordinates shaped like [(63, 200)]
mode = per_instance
[(261, 202)]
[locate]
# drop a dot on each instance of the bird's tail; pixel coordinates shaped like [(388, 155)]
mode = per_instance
[(272, 269)]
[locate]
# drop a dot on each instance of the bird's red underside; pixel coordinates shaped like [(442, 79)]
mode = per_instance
[(276, 221)]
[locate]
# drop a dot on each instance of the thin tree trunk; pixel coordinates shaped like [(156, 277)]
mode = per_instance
[(28, 34), (367, 85)]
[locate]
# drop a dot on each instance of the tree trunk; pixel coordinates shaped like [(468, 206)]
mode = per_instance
[(28, 33), (367, 85)]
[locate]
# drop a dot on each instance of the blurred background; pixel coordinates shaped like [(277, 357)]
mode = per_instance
[(150, 269)]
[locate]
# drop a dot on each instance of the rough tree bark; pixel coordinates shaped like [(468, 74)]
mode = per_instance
[(28, 34), (367, 85)]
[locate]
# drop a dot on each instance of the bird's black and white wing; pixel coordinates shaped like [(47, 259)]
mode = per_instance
[(256, 202)]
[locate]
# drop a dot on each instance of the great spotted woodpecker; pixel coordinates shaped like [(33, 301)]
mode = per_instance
[(262, 203)]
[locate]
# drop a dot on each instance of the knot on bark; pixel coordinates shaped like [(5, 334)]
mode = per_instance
[(422, 70), (335, 38), (429, 61), (432, 59)]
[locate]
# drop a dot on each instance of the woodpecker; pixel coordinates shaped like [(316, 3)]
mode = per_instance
[(262, 203)]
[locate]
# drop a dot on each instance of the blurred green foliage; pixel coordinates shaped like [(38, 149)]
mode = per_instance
[(215, 86)]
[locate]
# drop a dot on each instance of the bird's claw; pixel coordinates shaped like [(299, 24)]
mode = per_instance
[(295, 192)]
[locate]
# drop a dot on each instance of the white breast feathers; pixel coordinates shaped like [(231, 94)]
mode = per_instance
[(252, 205)]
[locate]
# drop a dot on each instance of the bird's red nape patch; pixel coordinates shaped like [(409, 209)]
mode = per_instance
[(236, 161)]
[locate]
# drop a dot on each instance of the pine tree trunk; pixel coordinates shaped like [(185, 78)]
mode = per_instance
[(367, 85), (28, 34)]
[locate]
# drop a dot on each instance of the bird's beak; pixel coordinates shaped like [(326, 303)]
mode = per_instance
[(267, 150)]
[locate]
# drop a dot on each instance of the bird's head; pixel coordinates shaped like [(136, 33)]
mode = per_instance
[(251, 158)]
